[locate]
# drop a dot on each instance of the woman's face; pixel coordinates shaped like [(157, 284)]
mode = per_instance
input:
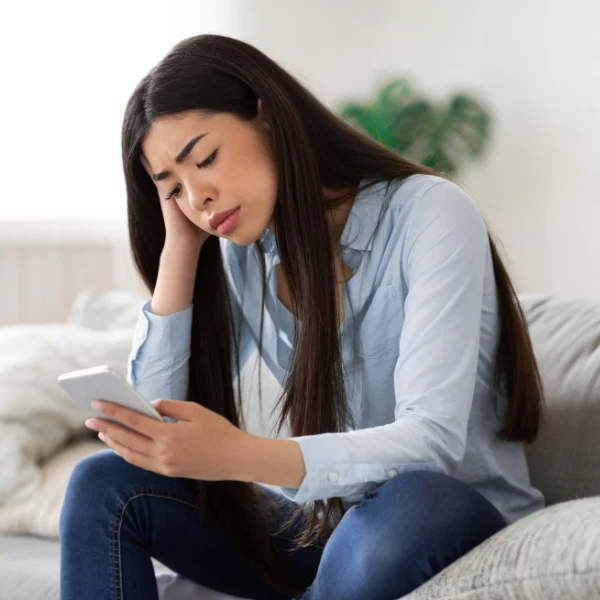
[(229, 166)]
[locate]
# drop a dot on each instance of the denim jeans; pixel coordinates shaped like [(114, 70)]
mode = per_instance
[(116, 516)]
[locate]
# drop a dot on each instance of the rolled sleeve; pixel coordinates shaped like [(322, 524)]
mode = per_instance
[(444, 259), (333, 467), (158, 362)]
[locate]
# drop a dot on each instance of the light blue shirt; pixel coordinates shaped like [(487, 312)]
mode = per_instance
[(418, 343)]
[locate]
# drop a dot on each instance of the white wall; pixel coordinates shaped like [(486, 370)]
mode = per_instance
[(535, 62), (68, 69)]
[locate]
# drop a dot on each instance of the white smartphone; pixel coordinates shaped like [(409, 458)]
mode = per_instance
[(104, 383)]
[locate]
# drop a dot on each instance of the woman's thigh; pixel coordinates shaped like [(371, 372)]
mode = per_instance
[(116, 516)]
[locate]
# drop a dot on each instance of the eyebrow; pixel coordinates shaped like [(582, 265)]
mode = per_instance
[(180, 157)]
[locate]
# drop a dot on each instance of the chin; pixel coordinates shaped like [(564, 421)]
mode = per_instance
[(241, 239), (244, 237)]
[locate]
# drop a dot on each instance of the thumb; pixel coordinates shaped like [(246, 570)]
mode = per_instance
[(180, 409)]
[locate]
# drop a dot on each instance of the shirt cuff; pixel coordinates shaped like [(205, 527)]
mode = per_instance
[(162, 337), (339, 465), (335, 476), (160, 344)]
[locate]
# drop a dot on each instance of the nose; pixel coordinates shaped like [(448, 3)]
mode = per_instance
[(197, 199)]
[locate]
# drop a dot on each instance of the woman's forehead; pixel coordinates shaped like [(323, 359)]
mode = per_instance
[(165, 140), (168, 134)]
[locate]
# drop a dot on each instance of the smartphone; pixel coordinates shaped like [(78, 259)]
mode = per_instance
[(104, 383)]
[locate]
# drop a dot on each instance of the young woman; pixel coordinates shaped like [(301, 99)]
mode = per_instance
[(371, 286)]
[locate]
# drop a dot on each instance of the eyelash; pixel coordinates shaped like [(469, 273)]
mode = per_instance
[(175, 192)]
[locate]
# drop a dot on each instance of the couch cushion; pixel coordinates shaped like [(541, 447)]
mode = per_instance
[(114, 309), (37, 417), (565, 334), (39, 513), (552, 554)]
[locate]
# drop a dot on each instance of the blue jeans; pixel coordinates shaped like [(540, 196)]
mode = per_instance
[(116, 516)]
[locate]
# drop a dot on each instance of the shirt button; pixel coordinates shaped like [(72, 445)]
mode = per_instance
[(346, 250), (333, 476), (392, 472)]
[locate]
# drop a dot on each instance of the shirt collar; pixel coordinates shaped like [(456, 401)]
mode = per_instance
[(360, 225)]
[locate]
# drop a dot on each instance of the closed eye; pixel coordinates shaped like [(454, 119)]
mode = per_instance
[(209, 160), (206, 163), (174, 193)]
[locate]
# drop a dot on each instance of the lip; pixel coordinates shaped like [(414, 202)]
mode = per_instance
[(218, 218)]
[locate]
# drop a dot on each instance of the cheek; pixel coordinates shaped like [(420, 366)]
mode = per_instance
[(184, 207), (190, 214)]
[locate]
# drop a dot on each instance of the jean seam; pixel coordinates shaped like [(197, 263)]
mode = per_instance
[(117, 577)]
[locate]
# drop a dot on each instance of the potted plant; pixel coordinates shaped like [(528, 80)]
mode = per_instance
[(439, 136)]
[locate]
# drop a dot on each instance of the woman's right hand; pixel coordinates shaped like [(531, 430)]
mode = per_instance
[(179, 230)]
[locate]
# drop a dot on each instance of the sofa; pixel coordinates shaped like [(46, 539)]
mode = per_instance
[(553, 554)]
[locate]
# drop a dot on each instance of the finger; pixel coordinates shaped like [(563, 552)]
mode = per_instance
[(131, 456), (127, 437), (149, 426), (182, 410)]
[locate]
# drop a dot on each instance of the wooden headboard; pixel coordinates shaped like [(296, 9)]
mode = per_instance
[(44, 266)]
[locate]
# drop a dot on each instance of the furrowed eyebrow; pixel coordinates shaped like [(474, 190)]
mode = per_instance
[(180, 157)]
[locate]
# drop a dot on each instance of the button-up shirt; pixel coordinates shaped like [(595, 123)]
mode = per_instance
[(418, 342)]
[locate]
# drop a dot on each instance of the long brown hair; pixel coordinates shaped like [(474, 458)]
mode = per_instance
[(312, 147)]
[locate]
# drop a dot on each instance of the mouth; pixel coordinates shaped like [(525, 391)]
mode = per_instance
[(217, 219), (227, 222)]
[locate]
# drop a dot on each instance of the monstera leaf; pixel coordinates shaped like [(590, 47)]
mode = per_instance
[(440, 137)]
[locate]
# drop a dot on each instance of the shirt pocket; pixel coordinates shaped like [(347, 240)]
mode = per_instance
[(379, 330)]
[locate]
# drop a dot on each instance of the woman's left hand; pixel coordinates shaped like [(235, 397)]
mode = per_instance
[(200, 445)]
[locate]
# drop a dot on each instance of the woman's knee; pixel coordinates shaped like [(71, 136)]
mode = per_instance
[(442, 500), (414, 513), (427, 507), (102, 472), (417, 518), (101, 480)]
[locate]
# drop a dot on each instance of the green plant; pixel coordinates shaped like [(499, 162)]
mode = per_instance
[(437, 136)]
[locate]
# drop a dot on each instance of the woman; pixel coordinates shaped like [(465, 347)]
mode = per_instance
[(259, 219)]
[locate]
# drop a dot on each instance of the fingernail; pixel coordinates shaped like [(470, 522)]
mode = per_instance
[(92, 424), (97, 404)]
